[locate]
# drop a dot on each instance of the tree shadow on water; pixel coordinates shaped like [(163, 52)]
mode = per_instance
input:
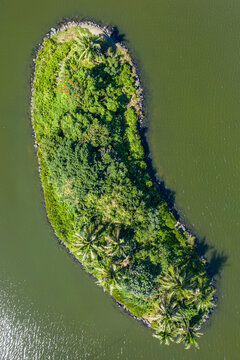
[(216, 263), (167, 194), (215, 260), (116, 36)]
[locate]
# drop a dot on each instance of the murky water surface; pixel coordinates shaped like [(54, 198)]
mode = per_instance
[(188, 52)]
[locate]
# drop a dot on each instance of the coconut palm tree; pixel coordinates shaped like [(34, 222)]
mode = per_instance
[(87, 45), (204, 301), (87, 243), (108, 275), (87, 250), (188, 336), (166, 334), (168, 315), (115, 245), (176, 283), (164, 337)]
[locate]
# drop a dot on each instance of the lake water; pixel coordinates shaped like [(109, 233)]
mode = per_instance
[(188, 52)]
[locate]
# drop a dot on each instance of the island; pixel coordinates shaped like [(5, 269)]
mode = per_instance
[(86, 110)]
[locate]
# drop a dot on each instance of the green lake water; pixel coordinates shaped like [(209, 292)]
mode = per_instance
[(189, 56)]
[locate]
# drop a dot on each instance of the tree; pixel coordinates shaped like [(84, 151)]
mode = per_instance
[(88, 46), (109, 274), (205, 300), (165, 336), (116, 245), (87, 244), (188, 336), (168, 315), (176, 282)]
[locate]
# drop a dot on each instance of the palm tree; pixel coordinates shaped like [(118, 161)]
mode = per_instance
[(168, 330), (176, 283), (87, 243), (88, 46), (164, 337), (188, 336), (108, 275), (204, 301), (87, 250), (168, 315), (116, 246)]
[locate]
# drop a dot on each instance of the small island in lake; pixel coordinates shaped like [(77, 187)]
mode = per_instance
[(99, 196)]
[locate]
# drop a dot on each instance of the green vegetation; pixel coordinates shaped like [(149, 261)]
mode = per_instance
[(99, 196)]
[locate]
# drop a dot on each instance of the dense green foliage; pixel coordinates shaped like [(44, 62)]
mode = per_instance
[(99, 196)]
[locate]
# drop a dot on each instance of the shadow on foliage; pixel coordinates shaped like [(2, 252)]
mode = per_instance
[(108, 43)]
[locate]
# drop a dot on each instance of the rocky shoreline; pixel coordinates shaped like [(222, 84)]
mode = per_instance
[(107, 31)]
